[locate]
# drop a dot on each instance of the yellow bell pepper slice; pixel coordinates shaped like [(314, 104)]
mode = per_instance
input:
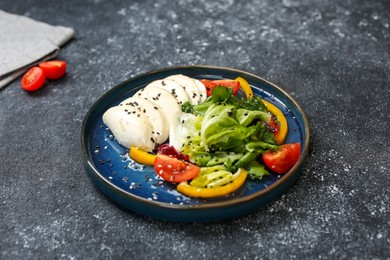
[(197, 192), (281, 136), (244, 85), (140, 156)]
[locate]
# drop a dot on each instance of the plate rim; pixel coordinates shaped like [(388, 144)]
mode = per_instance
[(211, 205)]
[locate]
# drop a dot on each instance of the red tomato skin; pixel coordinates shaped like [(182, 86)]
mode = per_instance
[(229, 83), (33, 79), (233, 84), (54, 69), (284, 159), (174, 170)]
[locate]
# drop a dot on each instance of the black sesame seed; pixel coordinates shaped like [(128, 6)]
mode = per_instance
[(152, 140), (156, 108), (163, 83)]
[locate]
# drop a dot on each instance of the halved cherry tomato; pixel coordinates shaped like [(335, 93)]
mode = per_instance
[(140, 156), (281, 129), (53, 69), (284, 159), (174, 170), (33, 79), (228, 83), (197, 192)]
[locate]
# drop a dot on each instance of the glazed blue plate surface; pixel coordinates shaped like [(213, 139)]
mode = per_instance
[(137, 187)]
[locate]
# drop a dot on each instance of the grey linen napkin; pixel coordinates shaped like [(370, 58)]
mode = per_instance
[(25, 42)]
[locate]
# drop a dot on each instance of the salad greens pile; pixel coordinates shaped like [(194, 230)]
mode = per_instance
[(225, 131)]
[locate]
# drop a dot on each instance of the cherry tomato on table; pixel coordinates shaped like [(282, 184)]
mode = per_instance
[(33, 79), (284, 159), (228, 83), (53, 69), (174, 170)]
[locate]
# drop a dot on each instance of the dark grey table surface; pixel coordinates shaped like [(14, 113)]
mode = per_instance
[(331, 56)]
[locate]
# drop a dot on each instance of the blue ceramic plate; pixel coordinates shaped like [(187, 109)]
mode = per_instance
[(136, 186)]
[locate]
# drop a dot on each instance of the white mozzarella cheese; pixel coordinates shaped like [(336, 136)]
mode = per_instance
[(162, 98), (130, 127), (153, 112), (202, 90), (189, 86), (172, 87)]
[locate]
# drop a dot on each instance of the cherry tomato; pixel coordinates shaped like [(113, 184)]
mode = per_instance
[(174, 170), (53, 69), (284, 159), (229, 83), (33, 79)]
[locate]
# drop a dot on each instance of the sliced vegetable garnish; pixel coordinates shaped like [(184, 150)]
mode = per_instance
[(281, 134), (244, 85), (218, 191), (141, 156), (228, 83), (174, 170), (284, 159)]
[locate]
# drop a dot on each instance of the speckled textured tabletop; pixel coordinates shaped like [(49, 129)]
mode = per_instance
[(331, 56)]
